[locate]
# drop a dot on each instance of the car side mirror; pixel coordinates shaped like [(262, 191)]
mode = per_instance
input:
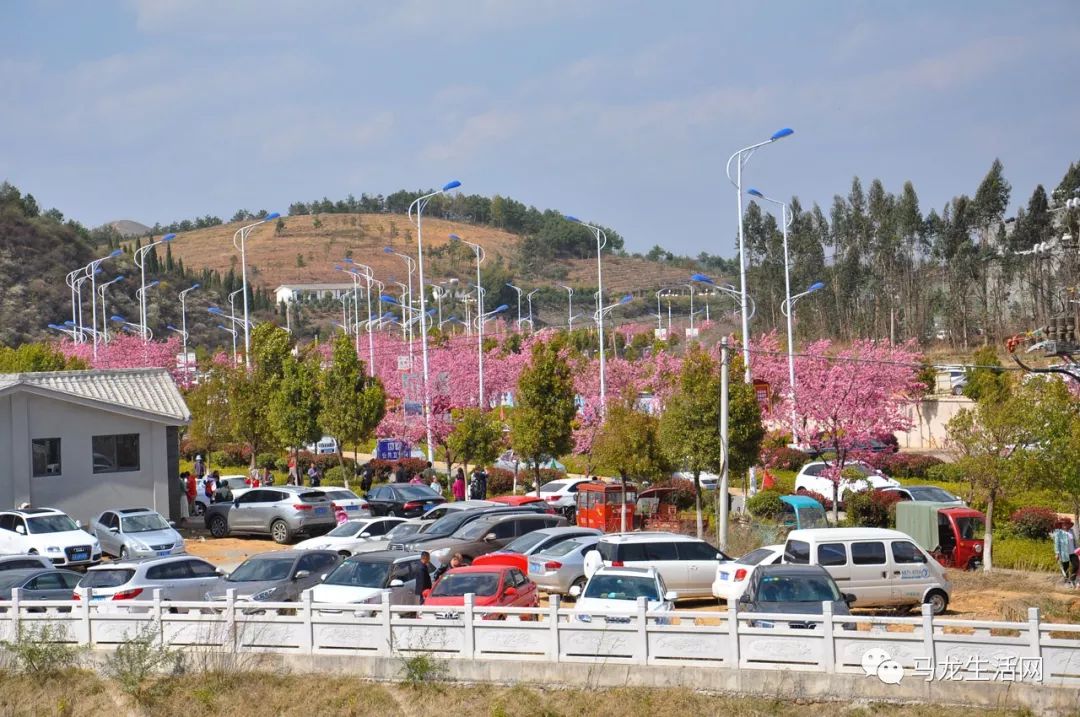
[(301, 574), (396, 583), (510, 591), (114, 529), (426, 594), (20, 529), (671, 596), (744, 599), (219, 573), (365, 535), (850, 598), (172, 523), (78, 523), (489, 537), (236, 503), (575, 591), (324, 576)]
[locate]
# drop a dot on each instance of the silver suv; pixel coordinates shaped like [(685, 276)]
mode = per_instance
[(180, 578), (282, 512)]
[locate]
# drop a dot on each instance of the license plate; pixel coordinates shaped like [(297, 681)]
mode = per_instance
[(320, 511), (79, 556), (723, 575), (428, 506), (352, 507), (99, 597), (162, 553), (535, 568)]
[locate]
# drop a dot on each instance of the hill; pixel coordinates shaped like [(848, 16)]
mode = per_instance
[(128, 228)]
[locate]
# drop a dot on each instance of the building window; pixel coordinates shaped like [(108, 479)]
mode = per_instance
[(46, 456), (113, 454)]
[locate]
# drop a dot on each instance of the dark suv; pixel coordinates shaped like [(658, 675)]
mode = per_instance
[(450, 523), (489, 533)]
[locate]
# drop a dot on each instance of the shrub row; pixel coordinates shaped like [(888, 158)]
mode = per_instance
[(904, 465), (784, 458), (871, 509)]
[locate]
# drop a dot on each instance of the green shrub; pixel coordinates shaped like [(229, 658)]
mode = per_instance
[(40, 650), (139, 664), (946, 473), (1024, 554), (871, 509), (1033, 523), (218, 458), (683, 495), (904, 465), (500, 481), (268, 460), (336, 475), (765, 505)]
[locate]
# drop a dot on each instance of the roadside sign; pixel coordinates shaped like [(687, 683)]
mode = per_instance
[(691, 333), (404, 363), (660, 334), (391, 449), (761, 391)]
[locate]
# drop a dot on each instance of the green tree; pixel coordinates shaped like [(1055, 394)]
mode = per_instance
[(629, 441), (690, 423), (475, 439), (745, 430), (353, 403), (208, 403), (294, 406), (36, 357), (1059, 409), (251, 393), (988, 381), (540, 426)]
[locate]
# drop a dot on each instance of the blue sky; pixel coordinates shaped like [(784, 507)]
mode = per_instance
[(623, 112)]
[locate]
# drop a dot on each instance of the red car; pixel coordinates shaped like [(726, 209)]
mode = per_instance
[(517, 500), (493, 585)]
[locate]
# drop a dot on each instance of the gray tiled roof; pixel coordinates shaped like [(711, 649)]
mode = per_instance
[(143, 390)]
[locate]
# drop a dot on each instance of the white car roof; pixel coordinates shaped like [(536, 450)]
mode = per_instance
[(636, 572), (819, 535), (646, 537)]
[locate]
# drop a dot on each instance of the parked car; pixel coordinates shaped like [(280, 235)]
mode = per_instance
[(351, 536), (364, 578), (952, 534), (49, 532), (792, 590), (688, 565), (511, 462), (180, 578), (24, 562), (493, 585), (924, 494), (444, 509), (402, 500), (238, 485), (354, 505), (812, 478), (404, 530), (562, 494), (488, 534), (38, 584), (326, 444), (454, 521), (801, 511), (278, 576), (517, 553), (612, 589), (520, 500), (880, 567), (708, 481), (136, 533), (732, 578), (561, 566), (281, 512)]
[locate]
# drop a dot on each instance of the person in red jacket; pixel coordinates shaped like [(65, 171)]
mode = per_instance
[(192, 491)]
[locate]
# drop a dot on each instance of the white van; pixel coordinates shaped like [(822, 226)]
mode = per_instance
[(687, 565), (882, 568)]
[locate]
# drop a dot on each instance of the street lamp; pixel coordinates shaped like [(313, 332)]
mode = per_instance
[(140, 296), (92, 270), (232, 318), (239, 240), (743, 155), (183, 320), (411, 266), (132, 328), (140, 261), (104, 311), (480, 256), (787, 309), (519, 303), (730, 291), (216, 311), (368, 274), (528, 297), (601, 242), (570, 308), (63, 329)]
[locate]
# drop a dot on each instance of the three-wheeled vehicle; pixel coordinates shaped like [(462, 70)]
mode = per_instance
[(802, 512), (952, 534), (606, 506)]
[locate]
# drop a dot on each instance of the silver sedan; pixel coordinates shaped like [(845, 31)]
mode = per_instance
[(136, 533), (562, 566)]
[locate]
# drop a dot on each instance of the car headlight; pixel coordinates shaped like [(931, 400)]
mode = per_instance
[(139, 546), (52, 549), (265, 594), (582, 617), (978, 547)]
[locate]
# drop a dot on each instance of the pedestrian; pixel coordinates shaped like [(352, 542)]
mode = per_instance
[(293, 475), (428, 473), (1065, 551), (208, 487), (367, 477), (401, 474), (315, 476), (185, 506), (478, 486), (268, 477), (423, 581), (435, 484), (191, 488), (224, 494), (457, 561), (458, 489), (200, 468), (416, 479)]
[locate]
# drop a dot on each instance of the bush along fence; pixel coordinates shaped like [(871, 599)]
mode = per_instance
[(919, 648)]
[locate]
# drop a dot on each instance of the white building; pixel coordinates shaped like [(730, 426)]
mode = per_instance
[(86, 441), (288, 293)]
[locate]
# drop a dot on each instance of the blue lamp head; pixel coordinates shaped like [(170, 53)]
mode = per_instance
[(117, 318), (755, 193), (781, 133), (272, 215), (216, 311), (347, 260), (115, 252), (121, 278), (387, 299), (817, 286), (388, 250), (153, 283), (168, 237), (72, 323), (455, 237), (99, 270), (571, 218), (388, 315), (193, 286), (702, 278), (626, 299), (223, 327), (170, 327), (501, 309), (453, 184)]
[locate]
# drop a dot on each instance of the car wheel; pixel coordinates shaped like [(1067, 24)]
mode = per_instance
[(392, 513), (123, 553), (580, 583), (279, 531), (199, 508), (801, 491), (219, 527), (344, 553), (938, 601)]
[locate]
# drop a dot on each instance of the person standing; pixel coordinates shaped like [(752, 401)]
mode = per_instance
[(435, 484), (200, 468), (191, 489), (479, 484), (428, 473), (185, 506), (458, 489), (400, 474), (1065, 551), (294, 475), (423, 580), (367, 477)]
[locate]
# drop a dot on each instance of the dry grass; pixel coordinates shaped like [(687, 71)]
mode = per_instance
[(260, 694)]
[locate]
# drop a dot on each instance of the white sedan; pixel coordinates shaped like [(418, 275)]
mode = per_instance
[(812, 478), (562, 493), (617, 590), (732, 576), (354, 505), (350, 536)]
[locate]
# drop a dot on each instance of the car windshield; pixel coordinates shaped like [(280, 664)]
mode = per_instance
[(349, 529), (553, 487), (812, 517), (416, 492), (50, 524), (566, 547), (932, 494), (804, 588), (403, 530), (526, 543), (450, 522), (971, 528), (341, 495), (359, 574), (262, 569), (143, 523), (754, 556), (621, 587), (454, 584), (105, 578)]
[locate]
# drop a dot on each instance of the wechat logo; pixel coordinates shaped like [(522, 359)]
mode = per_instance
[(877, 662)]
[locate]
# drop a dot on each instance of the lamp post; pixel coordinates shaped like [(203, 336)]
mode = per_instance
[(743, 156), (132, 328), (528, 297), (183, 321), (411, 266), (730, 291), (104, 311), (570, 306), (140, 296), (601, 242), (140, 261), (216, 311), (76, 300), (344, 299), (786, 308), (232, 319), (480, 256), (519, 291), (92, 269), (368, 274), (239, 241)]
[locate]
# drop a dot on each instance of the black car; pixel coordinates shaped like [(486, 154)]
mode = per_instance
[(793, 590), (402, 500), (449, 523)]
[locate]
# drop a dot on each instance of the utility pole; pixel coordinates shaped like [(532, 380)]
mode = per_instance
[(722, 494)]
